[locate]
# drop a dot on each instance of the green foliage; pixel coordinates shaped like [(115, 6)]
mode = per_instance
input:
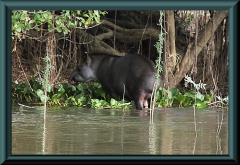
[(96, 103), (24, 20), (81, 95), (200, 100), (22, 91), (165, 98), (94, 96), (181, 99)]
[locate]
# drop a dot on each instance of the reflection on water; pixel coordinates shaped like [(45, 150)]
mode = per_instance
[(72, 130)]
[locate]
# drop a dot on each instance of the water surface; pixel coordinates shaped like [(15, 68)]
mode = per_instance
[(78, 131)]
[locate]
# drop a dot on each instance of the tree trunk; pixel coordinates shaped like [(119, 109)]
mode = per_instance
[(171, 32), (194, 49), (170, 47), (51, 53)]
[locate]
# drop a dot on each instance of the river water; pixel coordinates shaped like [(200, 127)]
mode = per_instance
[(79, 131)]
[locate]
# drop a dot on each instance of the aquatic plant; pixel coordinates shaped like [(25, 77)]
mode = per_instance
[(93, 96)]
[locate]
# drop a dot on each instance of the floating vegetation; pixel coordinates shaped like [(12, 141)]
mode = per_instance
[(94, 96)]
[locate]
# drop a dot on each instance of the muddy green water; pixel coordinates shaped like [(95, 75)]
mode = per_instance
[(73, 130)]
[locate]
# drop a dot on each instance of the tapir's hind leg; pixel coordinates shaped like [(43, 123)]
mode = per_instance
[(141, 101), (145, 102)]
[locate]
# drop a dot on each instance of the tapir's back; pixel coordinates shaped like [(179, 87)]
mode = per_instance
[(134, 73)]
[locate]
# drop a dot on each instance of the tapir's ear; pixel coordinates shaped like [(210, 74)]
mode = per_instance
[(89, 60)]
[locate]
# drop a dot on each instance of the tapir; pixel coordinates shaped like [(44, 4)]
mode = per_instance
[(132, 75)]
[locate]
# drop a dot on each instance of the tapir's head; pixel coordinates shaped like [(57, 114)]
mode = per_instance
[(84, 72)]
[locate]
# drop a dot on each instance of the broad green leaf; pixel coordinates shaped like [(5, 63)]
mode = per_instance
[(61, 89), (207, 98), (59, 29), (40, 92), (187, 101), (201, 105), (101, 92), (112, 102), (189, 95), (174, 91), (44, 99), (73, 88), (85, 15), (181, 98), (19, 29)]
